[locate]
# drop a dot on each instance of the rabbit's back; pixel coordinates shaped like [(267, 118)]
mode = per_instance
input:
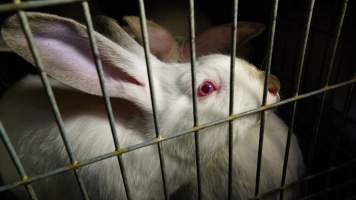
[(26, 115)]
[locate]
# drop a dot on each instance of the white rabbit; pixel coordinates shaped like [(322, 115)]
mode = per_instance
[(65, 51)]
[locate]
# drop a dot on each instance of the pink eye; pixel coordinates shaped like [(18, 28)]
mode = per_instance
[(206, 88)]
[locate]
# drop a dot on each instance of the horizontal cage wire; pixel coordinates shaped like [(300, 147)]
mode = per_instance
[(76, 165)]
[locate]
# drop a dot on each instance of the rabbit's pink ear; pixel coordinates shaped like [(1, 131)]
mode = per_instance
[(218, 39), (162, 43), (64, 49)]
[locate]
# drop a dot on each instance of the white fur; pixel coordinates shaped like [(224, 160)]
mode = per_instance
[(26, 115)]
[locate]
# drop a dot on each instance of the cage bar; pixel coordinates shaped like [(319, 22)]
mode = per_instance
[(265, 91), (7, 7), (152, 94), (294, 104), (90, 161), (231, 97), (194, 100), (313, 142), (106, 98), (183, 133), (36, 178), (15, 159), (75, 165), (29, 37)]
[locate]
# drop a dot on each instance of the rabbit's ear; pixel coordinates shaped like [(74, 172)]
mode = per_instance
[(247, 31), (110, 28), (65, 51), (218, 39), (162, 43)]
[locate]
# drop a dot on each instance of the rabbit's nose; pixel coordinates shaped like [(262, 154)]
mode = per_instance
[(273, 85)]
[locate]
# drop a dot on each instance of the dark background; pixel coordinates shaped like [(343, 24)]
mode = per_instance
[(286, 55)]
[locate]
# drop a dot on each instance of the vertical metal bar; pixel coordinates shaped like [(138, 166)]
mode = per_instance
[(106, 98), (15, 159), (231, 99), (313, 143), (29, 38), (152, 94), (265, 90), (296, 93), (195, 115), (201, 127)]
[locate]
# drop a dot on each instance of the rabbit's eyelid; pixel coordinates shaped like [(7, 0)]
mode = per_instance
[(212, 87)]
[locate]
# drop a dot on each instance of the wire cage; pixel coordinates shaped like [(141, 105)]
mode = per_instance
[(308, 44)]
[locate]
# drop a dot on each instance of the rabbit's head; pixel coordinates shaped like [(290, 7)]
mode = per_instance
[(64, 48), (212, 94)]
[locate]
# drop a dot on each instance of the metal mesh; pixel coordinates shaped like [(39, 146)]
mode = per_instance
[(76, 165)]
